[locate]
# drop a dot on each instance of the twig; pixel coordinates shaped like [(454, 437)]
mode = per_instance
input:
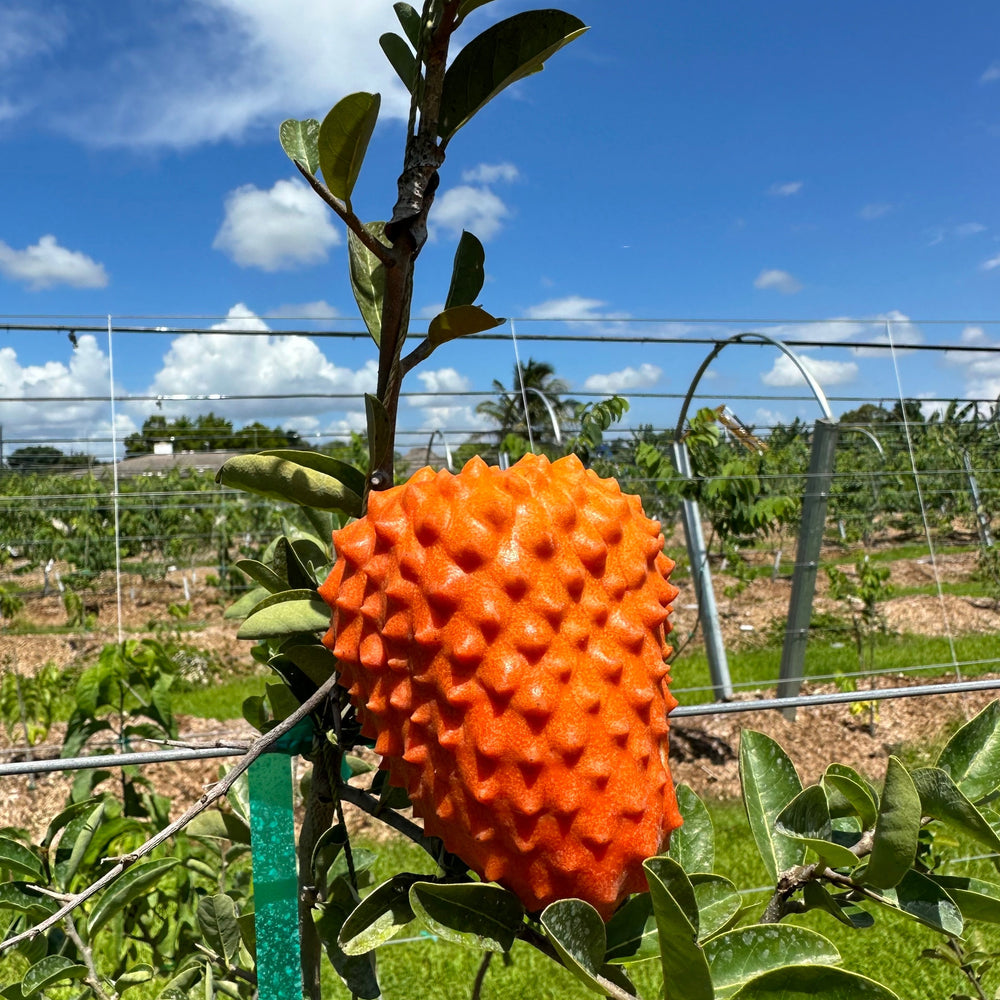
[(371, 805), (477, 985), (185, 745), (93, 978), (260, 746)]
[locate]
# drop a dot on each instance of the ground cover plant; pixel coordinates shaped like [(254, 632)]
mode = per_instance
[(623, 901)]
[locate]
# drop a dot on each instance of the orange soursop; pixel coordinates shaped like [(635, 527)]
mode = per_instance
[(502, 635)]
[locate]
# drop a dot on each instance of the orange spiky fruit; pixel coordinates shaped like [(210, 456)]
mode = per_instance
[(502, 634)]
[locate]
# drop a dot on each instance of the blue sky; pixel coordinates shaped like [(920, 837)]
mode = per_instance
[(759, 162)]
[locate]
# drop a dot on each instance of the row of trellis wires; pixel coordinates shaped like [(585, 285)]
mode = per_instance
[(73, 544)]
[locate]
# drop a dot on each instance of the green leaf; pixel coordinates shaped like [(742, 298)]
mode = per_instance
[(241, 608), (807, 819), (343, 141), (631, 931), (972, 756), (315, 661), (854, 789), (368, 278), (409, 20), (471, 913), (769, 783), (796, 982), (896, 830), (501, 55), (133, 884), (357, 971), (17, 858), (976, 898), (135, 976), (718, 902), (467, 272), (49, 972), (685, 968), (942, 799), (65, 817), (401, 58), (300, 141), (692, 845), (379, 429), (280, 477), (74, 843), (382, 914), (577, 933), (262, 574), (285, 614), (816, 897), (351, 477), (925, 901), (219, 927), (469, 6), (459, 321), (740, 955)]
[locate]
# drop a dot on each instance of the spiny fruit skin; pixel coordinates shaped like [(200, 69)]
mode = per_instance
[(502, 635)]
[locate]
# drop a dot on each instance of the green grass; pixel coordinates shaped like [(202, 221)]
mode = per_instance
[(889, 951), (222, 699)]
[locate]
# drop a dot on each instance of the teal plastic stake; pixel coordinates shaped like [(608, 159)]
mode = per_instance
[(275, 878)]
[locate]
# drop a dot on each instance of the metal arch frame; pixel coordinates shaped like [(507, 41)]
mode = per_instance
[(549, 407), (447, 449)]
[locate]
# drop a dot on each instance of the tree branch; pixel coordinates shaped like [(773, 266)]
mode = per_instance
[(260, 746)]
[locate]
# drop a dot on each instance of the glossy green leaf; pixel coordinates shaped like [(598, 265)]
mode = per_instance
[(631, 931), (380, 916), (74, 843), (854, 789), (241, 608), (315, 661), (692, 845), (368, 278), (504, 53), (471, 913), (797, 982), (134, 883), (816, 897), (401, 58), (896, 830), (740, 955), (718, 902), (300, 141), (972, 755), (806, 819), (577, 933), (468, 6), (379, 429), (357, 971), (976, 898), (942, 799), (685, 966), (351, 477), (134, 976), (63, 819), (460, 321), (280, 478), (261, 574), (218, 824), (51, 971), (923, 899), (468, 272), (343, 141), (285, 614), (769, 783), (18, 859), (409, 21), (220, 931), (24, 898), (178, 987)]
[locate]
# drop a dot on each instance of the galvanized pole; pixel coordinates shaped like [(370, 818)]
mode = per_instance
[(814, 502), (701, 576), (982, 520)]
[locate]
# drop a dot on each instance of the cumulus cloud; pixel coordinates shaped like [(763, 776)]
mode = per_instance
[(471, 207), (643, 377), (826, 372), (30, 415), (786, 189), (980, 370), (567, 307), (778, 281), (26, 32), (442, 409), (992, 263), (275, 230), (318, 310), (47, 264), (491, 173), (225, 363), (210, 70), (991, 73), (875, 210)]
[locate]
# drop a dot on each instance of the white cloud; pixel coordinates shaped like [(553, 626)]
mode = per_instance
[(785, 190), (83, 426), (439, 409), (285, 227), (318, 310), (27, 32), (779, 281), (47, 264), (969, 229), (991, 73), (875, 210), (471, 207), (210, 70), (980, 369), (491, 173), (962, 231), (224, 363), (827, 373), (643, 377), (568, 307), (992, 263)]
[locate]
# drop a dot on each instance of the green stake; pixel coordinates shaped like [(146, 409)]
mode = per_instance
[(275, 879)]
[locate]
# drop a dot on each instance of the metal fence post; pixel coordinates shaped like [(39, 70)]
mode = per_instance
[(701, 575), (814, 502), (982, 518)]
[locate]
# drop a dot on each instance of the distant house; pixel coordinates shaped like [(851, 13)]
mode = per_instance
[(164, 459)]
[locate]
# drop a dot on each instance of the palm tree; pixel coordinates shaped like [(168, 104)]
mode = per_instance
[(544, 393)]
